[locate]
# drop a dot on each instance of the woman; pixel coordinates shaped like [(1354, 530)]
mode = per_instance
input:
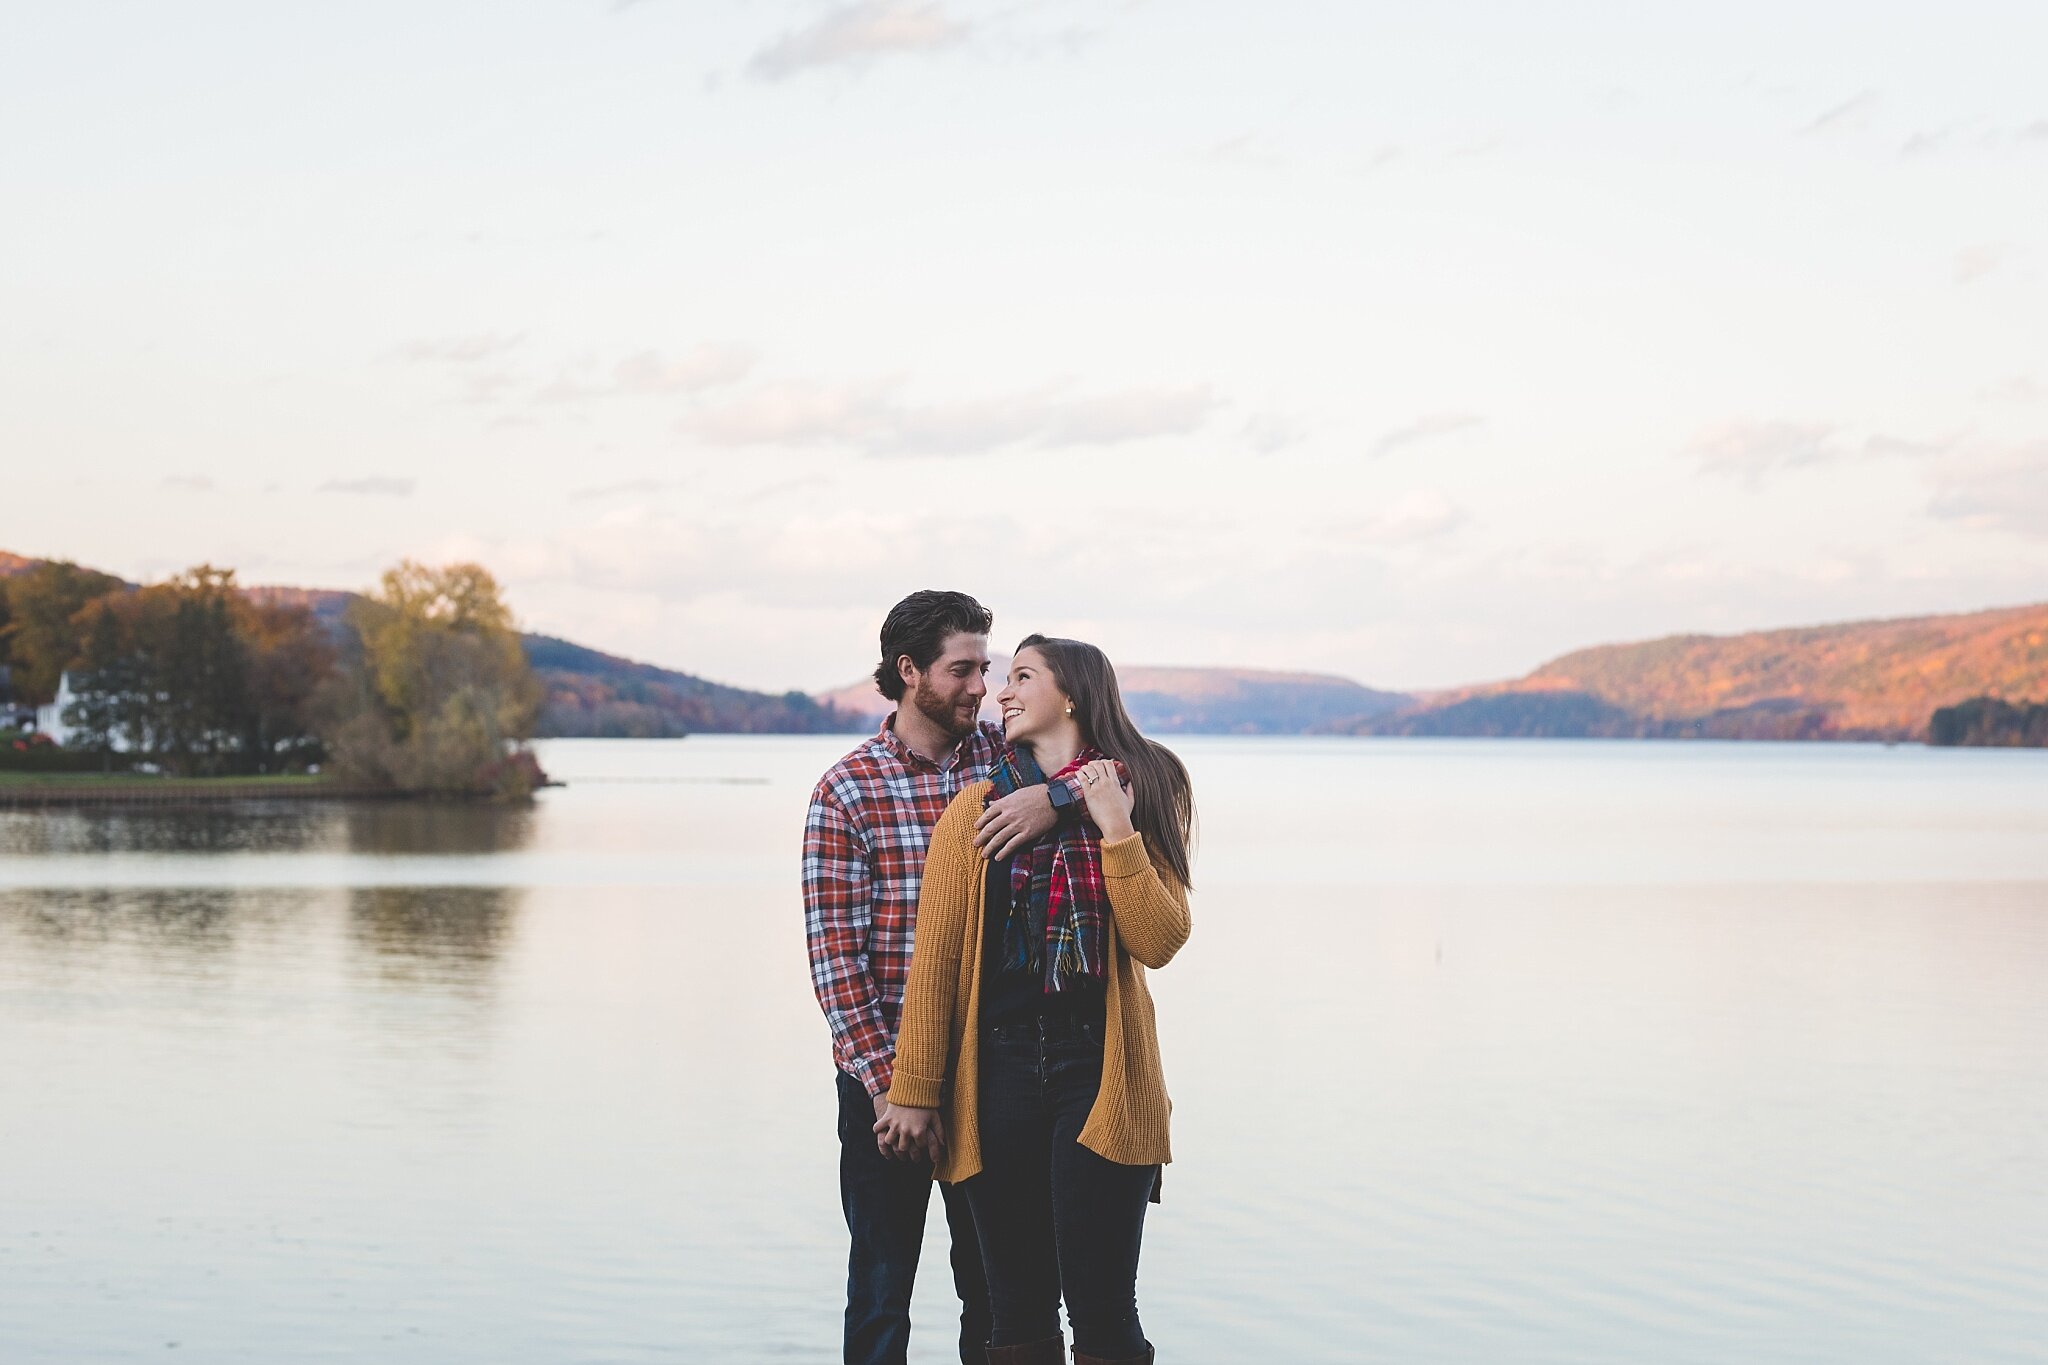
[(1027, 1062)]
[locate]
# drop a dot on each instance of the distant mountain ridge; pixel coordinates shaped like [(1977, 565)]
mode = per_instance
[(591, 693), (1881, 679), (1878, 679), (1215, 701)]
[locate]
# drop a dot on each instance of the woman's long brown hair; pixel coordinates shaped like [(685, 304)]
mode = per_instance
[(1163, 800)]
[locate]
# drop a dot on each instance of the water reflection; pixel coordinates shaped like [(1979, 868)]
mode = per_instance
[(434, 938), (184, 920), (394, 827), (448, 935), (245, 827), (427, 827)]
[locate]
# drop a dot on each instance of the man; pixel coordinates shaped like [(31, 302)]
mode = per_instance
[(870, 821)]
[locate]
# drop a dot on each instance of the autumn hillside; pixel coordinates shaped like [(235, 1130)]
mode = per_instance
[(588, 692), (1860, 680), (591, 693)]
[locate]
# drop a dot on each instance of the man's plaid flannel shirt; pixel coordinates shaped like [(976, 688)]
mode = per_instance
[(865, 838)]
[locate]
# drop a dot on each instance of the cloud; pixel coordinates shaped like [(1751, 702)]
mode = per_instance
[(1974, 263), (700, 367), (796, 413), (373, 486), (1251, 150), (189, 483), (1752, 449), (1267, 432), (2018, 388), (1422, 514), (1974, 134), (1423, 429), (856, 34), (1850, 113), (463, 350), (1995, 491), (487, 386), (633, 487), (1928, 142), (650, 372), (1132, 415), (869, 416)]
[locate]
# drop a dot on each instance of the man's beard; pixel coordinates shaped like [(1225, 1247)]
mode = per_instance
[(950, 719)]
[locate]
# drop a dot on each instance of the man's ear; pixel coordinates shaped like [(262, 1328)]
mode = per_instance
[(907, 671)]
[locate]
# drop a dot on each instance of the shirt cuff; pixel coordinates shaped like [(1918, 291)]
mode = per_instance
[(873, 1073)]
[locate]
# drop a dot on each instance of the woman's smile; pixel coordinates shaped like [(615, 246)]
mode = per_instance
[(1031, 698)]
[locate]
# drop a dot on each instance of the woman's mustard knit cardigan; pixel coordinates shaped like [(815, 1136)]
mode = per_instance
[(937, 1040)]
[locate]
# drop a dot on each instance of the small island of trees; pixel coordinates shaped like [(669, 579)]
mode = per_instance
[(1991, 722), (420, 687)]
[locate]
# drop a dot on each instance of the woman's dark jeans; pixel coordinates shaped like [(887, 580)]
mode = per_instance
[(1054, 1217)]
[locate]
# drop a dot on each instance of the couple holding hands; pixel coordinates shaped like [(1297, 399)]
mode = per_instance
[(981, 904)]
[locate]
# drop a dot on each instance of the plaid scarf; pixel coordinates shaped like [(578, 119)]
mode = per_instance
[(1059, 903)]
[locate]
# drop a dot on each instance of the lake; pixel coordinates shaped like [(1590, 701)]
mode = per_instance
[(1539, 1051)]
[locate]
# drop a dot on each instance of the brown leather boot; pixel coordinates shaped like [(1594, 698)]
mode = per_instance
[(1051, 1351), (1080, 1359)]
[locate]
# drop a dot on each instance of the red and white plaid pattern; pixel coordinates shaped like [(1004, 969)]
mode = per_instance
[(865, 838)]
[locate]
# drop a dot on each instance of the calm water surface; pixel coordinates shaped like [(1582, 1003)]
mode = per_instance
[(1546, 1052)]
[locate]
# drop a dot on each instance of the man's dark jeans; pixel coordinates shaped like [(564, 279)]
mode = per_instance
[(885, 1202), (1054, 1217)]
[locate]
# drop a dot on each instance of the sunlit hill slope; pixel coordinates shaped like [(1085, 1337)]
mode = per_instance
[(1858, 680)]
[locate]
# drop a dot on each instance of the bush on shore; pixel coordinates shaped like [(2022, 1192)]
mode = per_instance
[(35, 753), (434, 693)]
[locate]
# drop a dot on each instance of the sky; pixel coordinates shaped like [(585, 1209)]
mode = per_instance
[(1413, 343)]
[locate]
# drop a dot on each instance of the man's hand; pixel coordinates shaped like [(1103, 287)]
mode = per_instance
[(910, 1134), (1015, 822), (881, 1105)]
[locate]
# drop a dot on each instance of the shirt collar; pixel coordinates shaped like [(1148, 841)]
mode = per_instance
[(893, 742)]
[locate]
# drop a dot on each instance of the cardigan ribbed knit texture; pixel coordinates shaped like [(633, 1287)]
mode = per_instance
[(937, 1043)]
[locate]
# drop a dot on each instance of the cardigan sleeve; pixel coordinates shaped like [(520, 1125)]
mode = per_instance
[(1151, 911), (924, 1037)]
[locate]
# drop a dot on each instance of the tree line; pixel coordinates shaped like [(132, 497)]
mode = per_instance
[(421, 685), (1991, 722)]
